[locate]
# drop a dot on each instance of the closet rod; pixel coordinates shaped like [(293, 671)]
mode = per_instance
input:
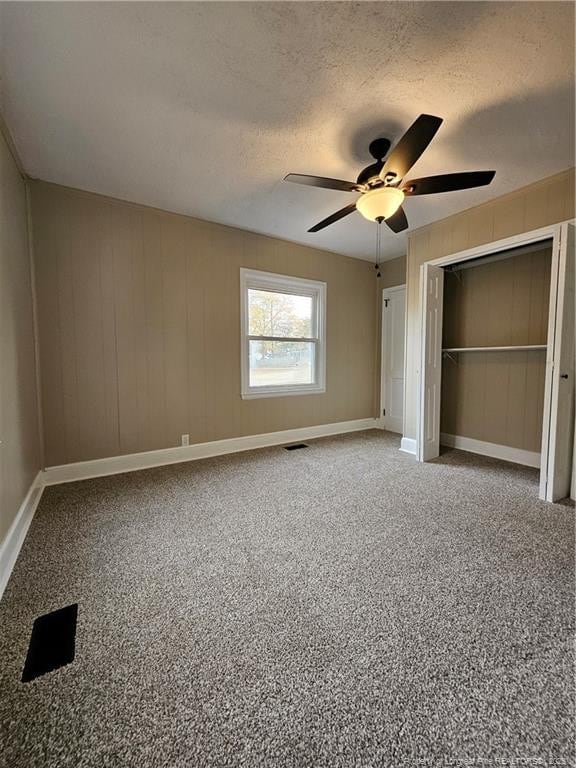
[(495, 349)]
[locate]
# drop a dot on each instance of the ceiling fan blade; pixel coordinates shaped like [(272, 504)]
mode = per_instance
[(448, 182), (410, 147), (321, 181), (398, 221), (334, 217)]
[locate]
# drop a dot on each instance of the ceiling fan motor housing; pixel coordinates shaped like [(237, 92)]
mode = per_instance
[(371, 173)]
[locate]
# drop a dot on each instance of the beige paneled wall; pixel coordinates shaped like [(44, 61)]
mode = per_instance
[(139, 316), (546, 202), (499, 303), (19, 449), (393, 273), (497, 397)]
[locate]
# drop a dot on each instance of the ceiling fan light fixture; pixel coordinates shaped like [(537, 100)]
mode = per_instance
[(380, 203)]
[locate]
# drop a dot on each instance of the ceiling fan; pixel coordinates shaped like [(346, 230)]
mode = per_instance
[(381, 185)]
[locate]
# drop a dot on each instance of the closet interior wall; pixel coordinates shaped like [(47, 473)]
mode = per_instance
[(495, 396)]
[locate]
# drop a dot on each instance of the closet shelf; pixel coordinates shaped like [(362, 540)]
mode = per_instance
[(494, 349)]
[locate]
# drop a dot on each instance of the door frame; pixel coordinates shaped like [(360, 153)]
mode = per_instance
[(548, 473), (386, 294), (553, 233)]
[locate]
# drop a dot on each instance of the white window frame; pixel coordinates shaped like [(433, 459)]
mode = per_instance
[(268, 281)]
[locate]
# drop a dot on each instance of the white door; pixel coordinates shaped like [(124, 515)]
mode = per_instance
[(431, 299), (392, 376), (558, 432)]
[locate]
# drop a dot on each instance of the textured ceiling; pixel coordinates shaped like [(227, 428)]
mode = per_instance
[(202, 108)]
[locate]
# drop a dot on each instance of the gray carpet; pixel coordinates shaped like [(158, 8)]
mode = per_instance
[(339, 605)]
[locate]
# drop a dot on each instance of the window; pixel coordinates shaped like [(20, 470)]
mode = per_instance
[(283, 328)]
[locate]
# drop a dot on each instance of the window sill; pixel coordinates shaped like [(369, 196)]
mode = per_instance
[(256, 394)]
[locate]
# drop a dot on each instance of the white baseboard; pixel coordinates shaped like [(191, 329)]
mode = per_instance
[(408, 445), (12, 544), (505, 452), (67, 473)]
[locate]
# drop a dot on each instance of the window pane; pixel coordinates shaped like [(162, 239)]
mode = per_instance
[(278, 363), (279, 314)]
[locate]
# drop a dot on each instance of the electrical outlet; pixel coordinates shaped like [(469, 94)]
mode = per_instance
[(185, 439)]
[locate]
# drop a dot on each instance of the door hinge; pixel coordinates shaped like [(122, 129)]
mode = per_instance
[(386, 302), (383, 411)]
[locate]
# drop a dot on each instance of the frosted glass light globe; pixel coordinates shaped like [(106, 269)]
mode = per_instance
[(380, 203)]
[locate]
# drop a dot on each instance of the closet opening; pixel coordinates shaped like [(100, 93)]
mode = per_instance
[(494, 343), (497, 354)]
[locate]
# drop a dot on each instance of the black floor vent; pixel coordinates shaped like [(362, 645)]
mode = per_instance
[(52, 644), (295, 447)]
